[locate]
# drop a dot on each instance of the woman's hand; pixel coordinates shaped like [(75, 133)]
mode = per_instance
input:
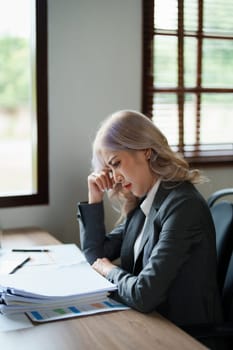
[(103, 266), (97, 184)]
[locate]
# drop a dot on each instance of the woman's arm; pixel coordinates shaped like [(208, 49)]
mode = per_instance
[(95, 243)]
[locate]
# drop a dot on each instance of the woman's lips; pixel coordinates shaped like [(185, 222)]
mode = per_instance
[(128, 186)]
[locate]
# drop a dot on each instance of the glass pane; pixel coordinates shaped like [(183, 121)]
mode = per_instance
[(190, 61), (218, 16), (190, 15), (217, 121), (217, 63), (190, 119), (166, 116), (165, 62), (16, 172), (165, 14)]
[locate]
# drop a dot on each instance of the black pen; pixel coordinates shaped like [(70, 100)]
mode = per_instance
[(20, 265), (31, 250)]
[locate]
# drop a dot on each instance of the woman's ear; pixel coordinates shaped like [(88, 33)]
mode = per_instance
[(148, 153)]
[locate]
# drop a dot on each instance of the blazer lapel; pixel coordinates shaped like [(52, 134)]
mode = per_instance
[(148, 229), (134, 228), (162, 193)]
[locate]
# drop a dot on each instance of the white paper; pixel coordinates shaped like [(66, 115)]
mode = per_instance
[(42, 305), (58, 255), (10, 261), (63, 282), (14, 322)]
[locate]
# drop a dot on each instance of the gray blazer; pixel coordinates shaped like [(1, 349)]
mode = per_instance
[(175, 271)]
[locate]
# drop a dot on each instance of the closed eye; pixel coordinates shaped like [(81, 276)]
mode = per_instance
[(115, 164)]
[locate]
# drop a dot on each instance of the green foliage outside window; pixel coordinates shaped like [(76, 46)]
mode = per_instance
[(14, 80)]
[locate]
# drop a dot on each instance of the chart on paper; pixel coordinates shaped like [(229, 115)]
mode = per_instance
[(75, 310)]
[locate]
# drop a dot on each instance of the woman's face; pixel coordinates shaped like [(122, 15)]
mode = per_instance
[(131, 169)]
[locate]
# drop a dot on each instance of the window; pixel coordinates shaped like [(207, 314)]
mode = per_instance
[(23, 103), (188, 75)]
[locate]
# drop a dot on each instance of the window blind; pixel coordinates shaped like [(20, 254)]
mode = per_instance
[(188, 75)]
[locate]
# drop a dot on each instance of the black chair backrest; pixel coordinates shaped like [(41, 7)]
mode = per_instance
[(228, 292), (222, 213), (219, 194)]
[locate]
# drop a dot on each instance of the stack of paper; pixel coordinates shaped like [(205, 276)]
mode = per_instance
[(68, 284), (65, 291)]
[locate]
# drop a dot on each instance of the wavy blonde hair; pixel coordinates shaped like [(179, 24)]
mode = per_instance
[(130, 130)]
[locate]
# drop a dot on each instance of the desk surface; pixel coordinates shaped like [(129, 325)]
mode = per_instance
[(110, 331)]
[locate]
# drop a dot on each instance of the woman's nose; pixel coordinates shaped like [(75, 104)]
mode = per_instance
[(118, 178)]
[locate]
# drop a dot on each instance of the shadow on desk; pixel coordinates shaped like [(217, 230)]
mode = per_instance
[(214, 337), (217, 344)]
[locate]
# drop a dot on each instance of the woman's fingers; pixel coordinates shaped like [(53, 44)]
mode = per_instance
[(97, 184), (103, 266), (103, 180)]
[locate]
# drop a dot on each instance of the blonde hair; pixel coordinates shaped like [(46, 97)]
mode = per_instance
[(131, 130)]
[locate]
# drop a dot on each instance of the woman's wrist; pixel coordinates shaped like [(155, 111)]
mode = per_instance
[(93, 199)]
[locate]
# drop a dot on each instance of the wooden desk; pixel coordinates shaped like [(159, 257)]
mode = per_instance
[(119, 330)]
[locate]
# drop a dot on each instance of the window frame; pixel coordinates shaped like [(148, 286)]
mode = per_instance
[(196, 157), (42, 195)]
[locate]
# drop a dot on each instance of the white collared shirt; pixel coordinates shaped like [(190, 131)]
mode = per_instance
[(145, 207)]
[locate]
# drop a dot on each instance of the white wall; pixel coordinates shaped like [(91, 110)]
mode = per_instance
[(94, 70)]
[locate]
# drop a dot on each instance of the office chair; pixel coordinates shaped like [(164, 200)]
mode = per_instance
[(222, 213), (227, 295), (221, 335)]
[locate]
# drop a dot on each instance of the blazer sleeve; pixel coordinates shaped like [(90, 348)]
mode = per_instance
[(181, 233), (95, 243)]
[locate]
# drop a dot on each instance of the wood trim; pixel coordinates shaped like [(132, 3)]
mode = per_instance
[(147, 69), (42, 102), (42, 196), (180, 94)]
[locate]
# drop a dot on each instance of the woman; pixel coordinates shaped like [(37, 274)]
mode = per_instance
[(167, 258)]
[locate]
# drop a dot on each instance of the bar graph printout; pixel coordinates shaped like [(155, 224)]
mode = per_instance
[(76, 310)]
